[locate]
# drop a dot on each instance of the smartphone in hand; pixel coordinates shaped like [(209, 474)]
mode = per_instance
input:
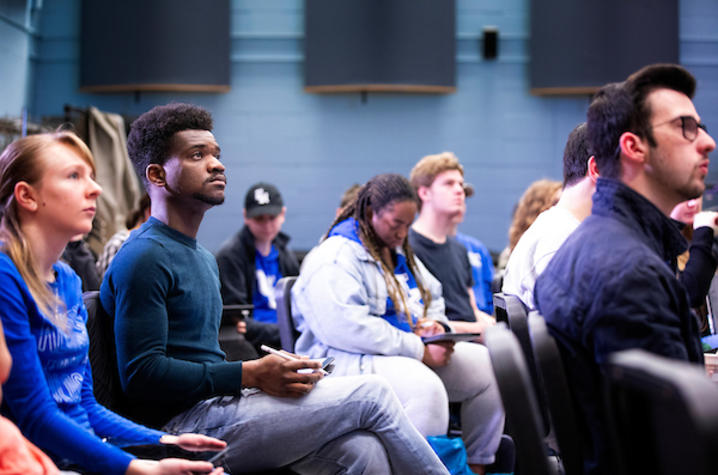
[(327, 366)]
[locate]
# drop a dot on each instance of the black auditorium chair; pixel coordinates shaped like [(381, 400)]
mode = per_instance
[(552, 379), (523, 416), (234, 345), (105, 375), (664, 414), (505, 304), (103, 357), (513, 312), (283, 294)]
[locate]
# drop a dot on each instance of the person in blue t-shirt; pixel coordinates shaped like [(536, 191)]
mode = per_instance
[(253, 260), (48, 195), (482, 266), (482, 270)]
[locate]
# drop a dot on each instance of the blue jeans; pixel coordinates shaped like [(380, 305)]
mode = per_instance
[(346, 425)]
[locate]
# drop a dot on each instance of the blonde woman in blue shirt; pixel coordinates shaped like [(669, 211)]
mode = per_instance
[(48, 195)]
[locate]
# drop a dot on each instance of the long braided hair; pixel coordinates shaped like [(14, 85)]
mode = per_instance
[(378, 193)]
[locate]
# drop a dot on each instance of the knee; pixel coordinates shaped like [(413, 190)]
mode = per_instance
[(362, 453), (428, 407), (374, 388), (473, 369)]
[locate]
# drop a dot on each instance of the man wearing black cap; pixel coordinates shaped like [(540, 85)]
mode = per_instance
[(254, 259)]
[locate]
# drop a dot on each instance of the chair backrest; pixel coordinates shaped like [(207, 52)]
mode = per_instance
[(505, 304), (103, 357), (514, 314), (232, 313), (518, 396), (234, 345), (552, 380), (665, 411), (283, 294)]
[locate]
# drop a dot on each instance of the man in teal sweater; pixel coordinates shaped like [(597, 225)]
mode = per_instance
[(163, 290)]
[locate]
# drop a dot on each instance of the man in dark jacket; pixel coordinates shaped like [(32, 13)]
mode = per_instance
[(612, 285), (253, 261)]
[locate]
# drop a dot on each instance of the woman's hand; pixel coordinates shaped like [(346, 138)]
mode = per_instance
[(438, 354), (194, 442), (171, 467), (426, 327)]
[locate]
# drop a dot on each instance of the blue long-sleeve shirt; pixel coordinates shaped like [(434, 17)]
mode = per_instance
[(162, 288), (482, 270), (49, 391)]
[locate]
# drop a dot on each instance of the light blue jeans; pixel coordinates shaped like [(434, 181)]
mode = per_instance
[(345, 425)]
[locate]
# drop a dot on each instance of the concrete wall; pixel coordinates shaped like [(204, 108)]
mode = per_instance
[(314, 146), (16, 42)]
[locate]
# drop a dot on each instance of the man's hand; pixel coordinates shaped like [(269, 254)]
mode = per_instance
[(242, 327), (488, 320), (278, 377), (706, 218), (438, 354), (471, 327), (194, 442)]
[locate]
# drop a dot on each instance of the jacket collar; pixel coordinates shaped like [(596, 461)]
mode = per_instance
[(246, 238), (349, 229), (657, 231)]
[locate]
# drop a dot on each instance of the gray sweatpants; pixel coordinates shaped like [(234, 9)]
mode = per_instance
[(468, 378)]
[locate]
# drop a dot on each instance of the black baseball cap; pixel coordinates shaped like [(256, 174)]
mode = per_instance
[(263, 198), (468, 190)]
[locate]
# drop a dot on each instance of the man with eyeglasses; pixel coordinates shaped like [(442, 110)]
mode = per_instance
[(612, 285)]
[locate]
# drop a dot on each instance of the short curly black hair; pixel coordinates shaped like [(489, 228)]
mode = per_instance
[(150, 135)]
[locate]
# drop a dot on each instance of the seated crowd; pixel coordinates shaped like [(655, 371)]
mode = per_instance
[(606, 266)]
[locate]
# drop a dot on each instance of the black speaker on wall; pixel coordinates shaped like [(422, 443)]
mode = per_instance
[(155, 45), (490, 42), (380, 45), (577, 46)]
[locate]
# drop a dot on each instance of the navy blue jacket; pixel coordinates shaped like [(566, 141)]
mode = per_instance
[(610, 287)]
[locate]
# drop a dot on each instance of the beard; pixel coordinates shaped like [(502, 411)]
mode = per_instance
[(688, 188), (692, 189), (208, 199)]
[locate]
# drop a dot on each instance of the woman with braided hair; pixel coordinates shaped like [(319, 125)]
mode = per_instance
[(365, 299)]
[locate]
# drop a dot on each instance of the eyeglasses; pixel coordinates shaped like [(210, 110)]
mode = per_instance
[(689, 126)]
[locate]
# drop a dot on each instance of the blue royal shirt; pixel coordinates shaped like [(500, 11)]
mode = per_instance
[(349, 229), (482, 270), (266, 276), (49, 390)]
